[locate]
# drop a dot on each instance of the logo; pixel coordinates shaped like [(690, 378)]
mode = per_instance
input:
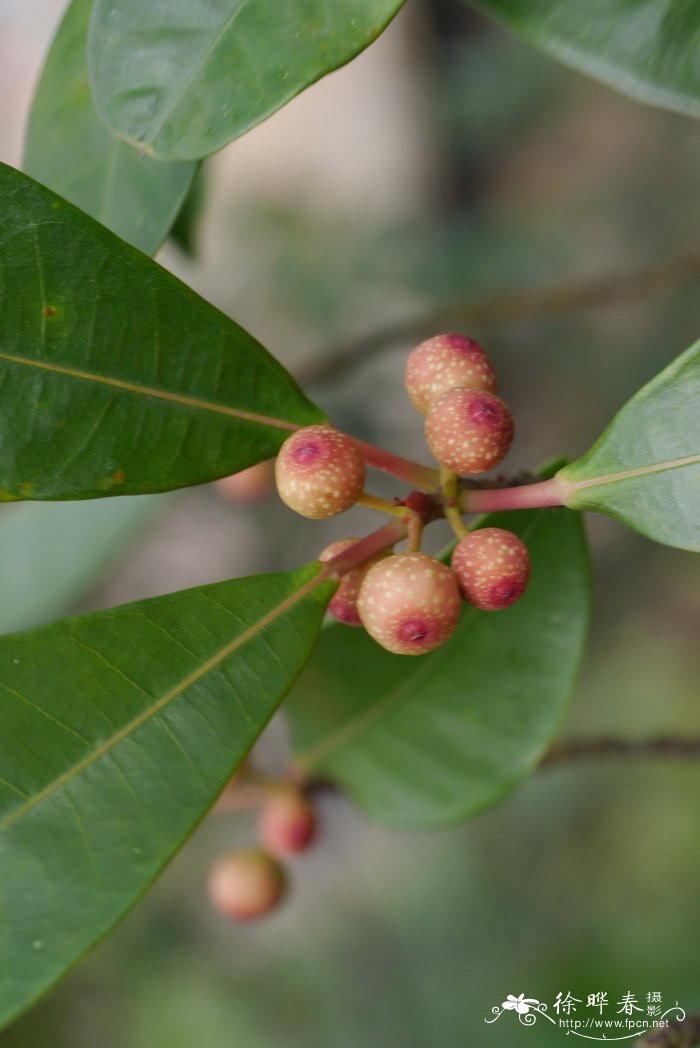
[(599, 1019)]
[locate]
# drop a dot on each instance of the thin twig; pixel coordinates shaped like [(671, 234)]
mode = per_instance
[(666, 746), (508, 307), (684, 1033)]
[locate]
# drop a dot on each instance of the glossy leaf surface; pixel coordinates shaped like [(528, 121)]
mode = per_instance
[(70, 149), (183, 78), (119, 730), (645, 48), (428, 740), (645, 468), (115, 378)]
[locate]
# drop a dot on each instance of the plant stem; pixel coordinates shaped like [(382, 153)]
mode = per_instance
[(365, 548), (450, 501), (674, 747), (381, 505), (412, 472), (525, 496)]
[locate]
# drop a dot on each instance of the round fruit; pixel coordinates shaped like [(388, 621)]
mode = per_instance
[(250, 485), (445, 362), (287, 824), (469, 431), (246, 885), (319, 471), (343, 603), (409, 603), (492, 567)]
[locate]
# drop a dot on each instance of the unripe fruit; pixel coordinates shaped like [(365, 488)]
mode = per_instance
[(409, 603), (343, 603), (246, 885), (319, 471), (492, 567), (287, 824), (446, 362), (469, 431)]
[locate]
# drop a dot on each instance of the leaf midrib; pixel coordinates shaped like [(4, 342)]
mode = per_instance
[(192, 678), (150, 391), (631, 474)]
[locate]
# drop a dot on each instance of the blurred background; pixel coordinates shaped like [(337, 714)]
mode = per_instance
[(446, 166)]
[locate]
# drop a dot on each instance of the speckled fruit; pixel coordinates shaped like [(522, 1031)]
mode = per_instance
[(246, 885), (445, 362), (287, 823), (343, 603), (409, 603), (492, 567), (469, 431), (319, 472)]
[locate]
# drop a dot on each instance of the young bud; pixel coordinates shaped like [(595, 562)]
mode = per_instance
[(246, 885), (319, 471), (409, 603), (492, 567), (469, 431), (445, 362), (287, 824), (343, 603)]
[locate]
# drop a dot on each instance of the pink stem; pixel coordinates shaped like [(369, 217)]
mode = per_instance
[(526, 496), (365, 548), (412, 472)]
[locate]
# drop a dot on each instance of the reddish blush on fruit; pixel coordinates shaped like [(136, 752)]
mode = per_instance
[(469, 431), (492, 567), (445, 362), (409, 603), (319, 472)]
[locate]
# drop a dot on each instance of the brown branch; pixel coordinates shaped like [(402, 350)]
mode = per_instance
[(684, 1033), (666, 746), (508, 307)]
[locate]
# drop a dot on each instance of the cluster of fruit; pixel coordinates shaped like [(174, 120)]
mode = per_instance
[(410, 602), (248, 884)]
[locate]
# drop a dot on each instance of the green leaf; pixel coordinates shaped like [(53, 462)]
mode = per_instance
[(182, 79), (645, 48), (119, 731), (115, 378), (50, 552), (645, 469), (426, 741), (69, 149)]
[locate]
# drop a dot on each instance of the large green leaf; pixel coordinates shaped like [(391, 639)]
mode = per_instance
[(646, 48), (118, 731), (181, 79), (115, 378), (50, 552), (645, 469), (425, 741), (69, 149)]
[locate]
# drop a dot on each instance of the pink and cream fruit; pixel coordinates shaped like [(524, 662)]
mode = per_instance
[(469, 431), (409, 603), (445, 362), (287, 824), (246, 885), (343, 603), (319, 472), (492, 567)]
